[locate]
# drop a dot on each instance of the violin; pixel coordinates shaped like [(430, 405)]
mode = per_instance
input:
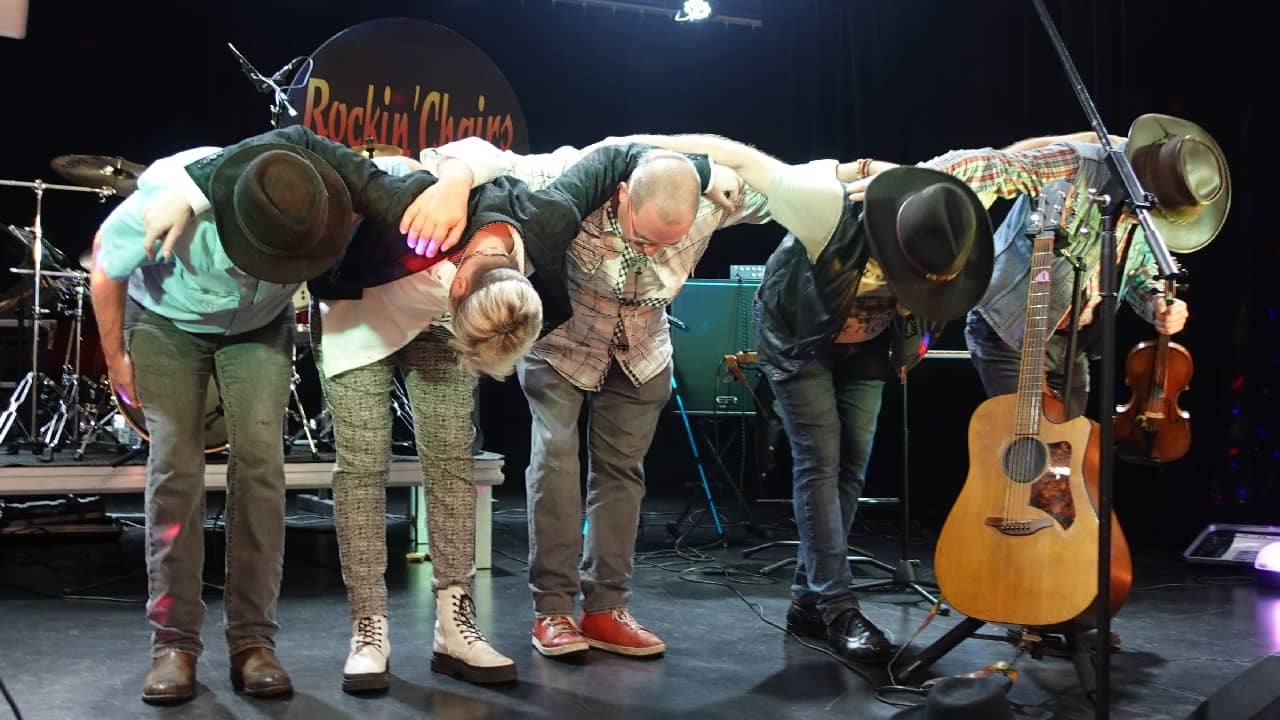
[(1151, 427)]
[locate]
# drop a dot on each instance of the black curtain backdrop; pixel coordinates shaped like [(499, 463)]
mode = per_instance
[(901, 81)]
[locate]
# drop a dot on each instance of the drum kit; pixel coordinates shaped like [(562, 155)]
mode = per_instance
[(66, 398), (56, 401)]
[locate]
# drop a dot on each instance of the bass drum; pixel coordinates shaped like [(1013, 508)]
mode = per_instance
[(215, 428)]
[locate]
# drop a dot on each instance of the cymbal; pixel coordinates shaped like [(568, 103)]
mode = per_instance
[(99, 171), (86, 260), (373, 150)]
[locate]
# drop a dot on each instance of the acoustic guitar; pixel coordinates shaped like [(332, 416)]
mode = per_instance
[(1020, 545)]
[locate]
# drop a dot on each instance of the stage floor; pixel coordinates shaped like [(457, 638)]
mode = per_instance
[(1186, 631)]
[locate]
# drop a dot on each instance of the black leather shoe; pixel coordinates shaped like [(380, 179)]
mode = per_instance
[(853, 637), (806, 621)]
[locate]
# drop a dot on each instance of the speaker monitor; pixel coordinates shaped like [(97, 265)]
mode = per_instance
[(711, 319), (1251, 695)]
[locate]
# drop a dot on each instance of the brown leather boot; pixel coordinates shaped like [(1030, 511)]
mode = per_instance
[(257, 672), (171, 679)]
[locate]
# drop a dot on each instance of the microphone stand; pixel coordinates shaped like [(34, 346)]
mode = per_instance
[(1129, 192), (271, 85)]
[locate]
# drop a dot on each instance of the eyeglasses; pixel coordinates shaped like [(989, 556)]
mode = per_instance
[(640, 243)]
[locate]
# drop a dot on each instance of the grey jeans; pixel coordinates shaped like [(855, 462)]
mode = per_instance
[(621, 425), (172, 368), (441, 395)]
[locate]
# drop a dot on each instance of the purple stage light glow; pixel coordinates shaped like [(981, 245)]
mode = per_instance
[(1267, 565), (1268, 558)]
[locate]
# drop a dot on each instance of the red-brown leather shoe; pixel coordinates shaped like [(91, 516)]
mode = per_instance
[(171, 679), (617, 632), (257, 672), (557, 636)]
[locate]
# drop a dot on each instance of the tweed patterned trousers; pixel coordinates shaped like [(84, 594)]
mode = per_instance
[(442, 397)]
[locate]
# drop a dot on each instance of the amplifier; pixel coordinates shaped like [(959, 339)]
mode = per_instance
[(753, 273), (711, 319), (1231, 544)]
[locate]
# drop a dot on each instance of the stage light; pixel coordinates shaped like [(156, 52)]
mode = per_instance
[(694, 10), (1267, 565)]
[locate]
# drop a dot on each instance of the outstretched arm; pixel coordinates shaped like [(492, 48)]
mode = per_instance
[(808, 199), (374, 193), (1087, 136), (756, 168)]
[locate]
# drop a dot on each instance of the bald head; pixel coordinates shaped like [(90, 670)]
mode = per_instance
[(669, 182)]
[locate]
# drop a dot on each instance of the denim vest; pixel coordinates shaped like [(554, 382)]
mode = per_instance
[(1005, 303)]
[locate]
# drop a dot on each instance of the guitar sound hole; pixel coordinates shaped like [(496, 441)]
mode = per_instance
[(1025, 459)]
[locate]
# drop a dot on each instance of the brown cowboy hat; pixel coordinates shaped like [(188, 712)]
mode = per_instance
[(932, 237), (1179, 163), (283, 214)]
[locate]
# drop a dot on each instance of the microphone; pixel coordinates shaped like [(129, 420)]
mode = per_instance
[(287, 72), (250, 71), (676, 322)]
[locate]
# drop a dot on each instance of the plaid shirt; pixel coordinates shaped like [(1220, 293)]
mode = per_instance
[(996, 173), (619, 296)]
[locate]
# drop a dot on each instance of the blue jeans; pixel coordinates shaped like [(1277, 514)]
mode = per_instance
[(999, 363), (172, 368), (829, 411), (621, 423)]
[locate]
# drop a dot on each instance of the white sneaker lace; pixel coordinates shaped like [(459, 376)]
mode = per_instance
[(625, 617), (368, 633), (559, 625), (464, 610)]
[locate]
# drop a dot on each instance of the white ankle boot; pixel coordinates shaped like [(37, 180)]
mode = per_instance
[(460, 649), (370, 655)]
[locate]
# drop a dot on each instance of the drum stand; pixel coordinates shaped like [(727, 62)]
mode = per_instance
[(71, 379), (103, 423), (34, 436), (299, 415)]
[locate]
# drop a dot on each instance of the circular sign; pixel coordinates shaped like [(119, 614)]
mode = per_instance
[(407, 83)]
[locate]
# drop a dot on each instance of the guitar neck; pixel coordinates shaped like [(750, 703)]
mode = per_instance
[(1034, 340)]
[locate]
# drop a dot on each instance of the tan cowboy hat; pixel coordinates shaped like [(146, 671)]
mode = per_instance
[(1179, 163), (932, 238)]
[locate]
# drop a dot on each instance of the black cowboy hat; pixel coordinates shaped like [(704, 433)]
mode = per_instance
[(283, 214), (932, 237), (1178, 162), (963, 698)]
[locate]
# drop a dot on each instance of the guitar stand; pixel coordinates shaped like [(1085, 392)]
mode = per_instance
[(1075, 646)]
